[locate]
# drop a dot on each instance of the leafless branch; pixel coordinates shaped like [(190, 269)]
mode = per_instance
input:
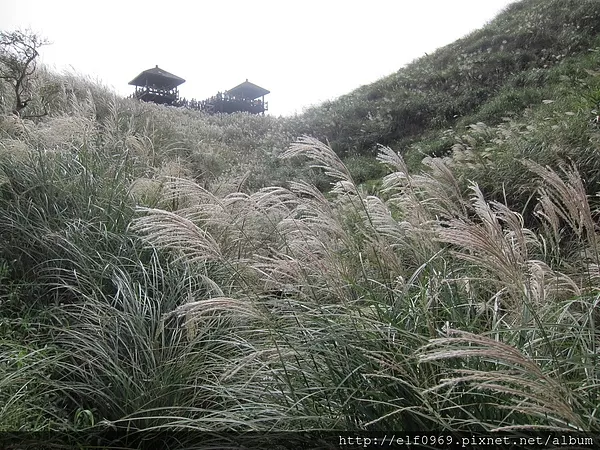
[(18, 63)]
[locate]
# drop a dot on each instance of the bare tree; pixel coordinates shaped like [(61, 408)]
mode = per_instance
[(18, 62)]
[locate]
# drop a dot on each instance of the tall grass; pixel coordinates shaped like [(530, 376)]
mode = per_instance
[(422, 307), (491, 279), (163, 270)]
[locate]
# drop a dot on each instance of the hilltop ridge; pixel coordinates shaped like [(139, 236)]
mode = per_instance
[(495, 71)]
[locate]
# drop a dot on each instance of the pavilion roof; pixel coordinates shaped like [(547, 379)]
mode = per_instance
[(158, 77), (248, 90)]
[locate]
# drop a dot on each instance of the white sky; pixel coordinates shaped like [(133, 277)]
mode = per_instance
[(304, 52)]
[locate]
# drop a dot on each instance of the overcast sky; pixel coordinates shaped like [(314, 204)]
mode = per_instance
[(304, 52)]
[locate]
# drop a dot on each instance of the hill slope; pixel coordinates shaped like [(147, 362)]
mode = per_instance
[(498, 70)]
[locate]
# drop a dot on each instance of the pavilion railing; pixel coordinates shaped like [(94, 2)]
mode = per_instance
[(145, 90), (224, 104), (216, 103)]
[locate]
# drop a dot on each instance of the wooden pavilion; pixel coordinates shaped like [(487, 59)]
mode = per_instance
[(157, 85), (245, 97)]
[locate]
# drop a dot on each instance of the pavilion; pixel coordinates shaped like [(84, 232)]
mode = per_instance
[(157, 85), (245, 97)]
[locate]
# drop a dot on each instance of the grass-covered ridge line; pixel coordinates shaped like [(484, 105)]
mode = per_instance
[(163, 269), (497, 70)]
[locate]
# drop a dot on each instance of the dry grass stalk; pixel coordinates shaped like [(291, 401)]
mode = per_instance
[(167, 229), (566, 199), (499, 243), (322, 156), (525, 385), (193, 311), (563, 199)]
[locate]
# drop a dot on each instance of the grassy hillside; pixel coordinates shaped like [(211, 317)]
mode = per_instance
[(524, 86), (514, 62), (192, 277)]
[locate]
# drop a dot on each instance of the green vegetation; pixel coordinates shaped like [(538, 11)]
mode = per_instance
[(167, 271), (499, 70)]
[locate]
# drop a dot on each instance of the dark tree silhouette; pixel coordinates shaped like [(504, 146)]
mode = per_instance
[(18, 62)]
